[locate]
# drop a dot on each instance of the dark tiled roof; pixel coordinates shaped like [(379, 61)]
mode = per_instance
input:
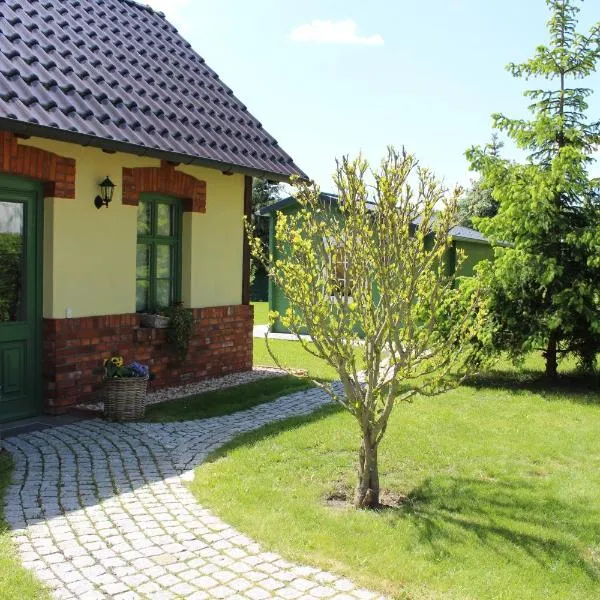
[(115, 74), (458, 233)]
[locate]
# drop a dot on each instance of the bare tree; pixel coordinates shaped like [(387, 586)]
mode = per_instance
[(369, 280)]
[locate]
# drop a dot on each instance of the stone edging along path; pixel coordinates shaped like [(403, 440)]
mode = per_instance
[(101, 510)]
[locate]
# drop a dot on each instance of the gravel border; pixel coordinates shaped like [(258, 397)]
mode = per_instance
[(201, 387)]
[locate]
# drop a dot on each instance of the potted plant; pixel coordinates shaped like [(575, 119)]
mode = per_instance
[(179, 323), (180, 329), (125, 389)]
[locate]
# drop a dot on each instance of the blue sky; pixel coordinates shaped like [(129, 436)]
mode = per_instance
[(426, 75)]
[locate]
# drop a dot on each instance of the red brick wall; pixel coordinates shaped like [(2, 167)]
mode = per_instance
[(74, 348), (164, 180), (56, 172)]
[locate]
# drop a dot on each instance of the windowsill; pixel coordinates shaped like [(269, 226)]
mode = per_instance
[(153, 321)]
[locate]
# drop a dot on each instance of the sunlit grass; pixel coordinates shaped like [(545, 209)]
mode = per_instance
[(501, 479), (261, 313), (290, 354)]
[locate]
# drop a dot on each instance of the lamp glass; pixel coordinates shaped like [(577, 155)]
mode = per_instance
[(108, 188)]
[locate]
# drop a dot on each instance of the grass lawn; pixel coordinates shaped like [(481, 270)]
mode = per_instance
[(224, 402), (15, 581), (261, 312), (291, 355), (501, 480)]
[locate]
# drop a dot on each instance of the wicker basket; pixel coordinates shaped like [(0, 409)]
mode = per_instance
[(125, 398), (156, 321)]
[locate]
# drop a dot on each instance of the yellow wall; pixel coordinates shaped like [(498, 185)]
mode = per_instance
[(89, 254), (214, 244)]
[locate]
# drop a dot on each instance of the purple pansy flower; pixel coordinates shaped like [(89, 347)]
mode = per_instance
[(138, 370)]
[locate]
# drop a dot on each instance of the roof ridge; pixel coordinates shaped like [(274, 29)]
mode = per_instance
[(147, 8)]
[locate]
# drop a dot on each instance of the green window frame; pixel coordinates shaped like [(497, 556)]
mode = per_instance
[(158, 254)]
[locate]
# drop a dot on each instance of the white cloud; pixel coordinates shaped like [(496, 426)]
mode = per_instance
[(333, 32)]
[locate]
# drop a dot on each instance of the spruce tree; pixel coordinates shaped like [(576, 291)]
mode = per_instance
[(478, 201), (545, 280)]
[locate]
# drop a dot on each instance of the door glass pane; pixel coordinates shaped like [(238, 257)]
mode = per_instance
[(164, 262), (143, 261), (164, 297), (12, 262), (164, 223), (143, 218), (141, 295)]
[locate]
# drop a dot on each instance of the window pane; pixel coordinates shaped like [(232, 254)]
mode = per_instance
[(164, 262), (143, 261), (164, 296), (164, 224), (141, 295), (157, 254), (12, 262), (144, 218)]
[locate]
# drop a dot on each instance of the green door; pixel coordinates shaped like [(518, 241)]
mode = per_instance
[(20, 314)]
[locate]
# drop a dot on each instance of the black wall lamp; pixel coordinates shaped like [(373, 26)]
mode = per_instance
[(107, 189)]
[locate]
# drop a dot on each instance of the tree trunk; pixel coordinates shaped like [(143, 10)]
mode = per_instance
[(367, 490), (551, 356)]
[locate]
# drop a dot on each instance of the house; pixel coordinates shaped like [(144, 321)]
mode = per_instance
[(125, 172), (470, 242)]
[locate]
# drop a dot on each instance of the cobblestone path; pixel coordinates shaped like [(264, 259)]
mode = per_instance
[(101, 510)]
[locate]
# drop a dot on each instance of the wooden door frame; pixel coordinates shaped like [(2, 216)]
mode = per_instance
[(22, 185)]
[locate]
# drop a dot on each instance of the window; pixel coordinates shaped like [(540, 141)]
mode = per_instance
[(158, 263), (340, 268), (339, 265)]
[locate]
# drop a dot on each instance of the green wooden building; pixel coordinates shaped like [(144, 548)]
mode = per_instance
[(472, 243)]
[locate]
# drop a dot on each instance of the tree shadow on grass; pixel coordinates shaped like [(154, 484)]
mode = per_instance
[(509, 517), (572, 386)]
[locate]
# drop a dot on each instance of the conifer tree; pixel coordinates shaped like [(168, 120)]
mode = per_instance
[(545, 280), (478, 201)]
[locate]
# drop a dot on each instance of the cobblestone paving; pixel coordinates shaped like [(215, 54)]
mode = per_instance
[(101, 510)]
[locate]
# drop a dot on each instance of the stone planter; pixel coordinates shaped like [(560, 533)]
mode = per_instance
[(154, 321)]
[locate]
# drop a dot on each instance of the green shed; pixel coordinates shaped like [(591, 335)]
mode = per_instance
[(471, 242)]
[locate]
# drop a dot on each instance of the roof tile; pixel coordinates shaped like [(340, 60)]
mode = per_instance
[(117, 70)]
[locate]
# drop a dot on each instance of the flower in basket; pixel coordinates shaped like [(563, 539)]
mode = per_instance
[(115, 368), (139, 370), (124, 389), (117, 361)]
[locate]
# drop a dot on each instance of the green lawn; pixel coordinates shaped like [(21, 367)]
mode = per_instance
[(501, 479), (289, 353), (224, 402), (261, 312), (15, 581), (293, 356)]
